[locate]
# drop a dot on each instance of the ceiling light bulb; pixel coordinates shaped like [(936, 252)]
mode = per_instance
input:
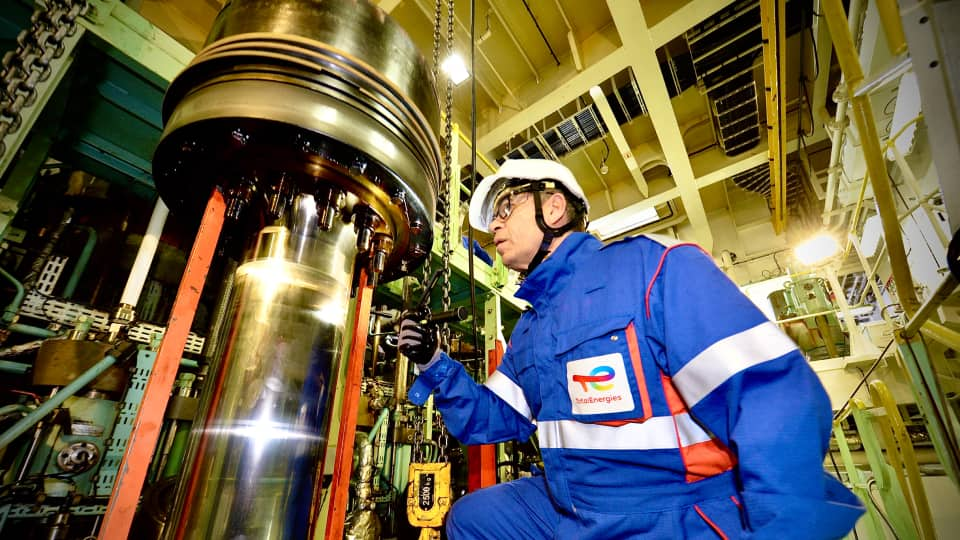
[(603, 168), (455, 69), (817, 249)]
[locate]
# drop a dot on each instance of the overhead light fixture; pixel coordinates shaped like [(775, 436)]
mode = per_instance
[(455, 69), (603, 162), (817, 249), (622, 221)]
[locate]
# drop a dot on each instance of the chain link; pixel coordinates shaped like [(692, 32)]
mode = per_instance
[(418, 439), (29, 64), (445, 195), (443, 439)]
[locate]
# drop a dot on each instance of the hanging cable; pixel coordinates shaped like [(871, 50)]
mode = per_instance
[(537, 23), (842, 412), (478, 350)]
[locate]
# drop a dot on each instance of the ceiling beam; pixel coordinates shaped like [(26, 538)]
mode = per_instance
[(683, 18), (636, 37), (564, 93), (618, 139), (661, 33)]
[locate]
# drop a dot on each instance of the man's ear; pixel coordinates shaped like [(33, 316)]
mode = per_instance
[(556, 210)]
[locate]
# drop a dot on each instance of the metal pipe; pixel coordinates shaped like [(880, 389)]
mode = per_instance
[(28, 330), (384, 413), (857, 9), (892, 26), (148, 247), (855, 218), (55, 401), (870, 143), (14, 408), (911, 180), (943, 291), (82, 261), (14, 306), (941, 334), (15, 368), (869, 273), (898, 67)]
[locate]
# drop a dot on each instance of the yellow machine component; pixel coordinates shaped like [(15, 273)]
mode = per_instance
[(428, 497)]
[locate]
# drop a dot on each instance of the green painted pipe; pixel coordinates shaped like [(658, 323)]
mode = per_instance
[(14, 306), (34, 331), (82, 261), (15, 408), (49, 405), (376, 425), (177, 450), (16, 368)]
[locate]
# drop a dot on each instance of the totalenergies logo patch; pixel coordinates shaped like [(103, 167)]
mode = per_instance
[(596, 378)]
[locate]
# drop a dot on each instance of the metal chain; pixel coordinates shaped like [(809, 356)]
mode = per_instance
[(29, 64), (443, 439), (445, 195), (418, 439), (438, 6)]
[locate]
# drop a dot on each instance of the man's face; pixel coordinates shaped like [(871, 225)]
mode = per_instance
[(515, 231)]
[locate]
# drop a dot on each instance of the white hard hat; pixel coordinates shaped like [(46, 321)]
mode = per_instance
[(481, 204)]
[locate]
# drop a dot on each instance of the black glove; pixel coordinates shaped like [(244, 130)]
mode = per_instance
[(418, 340)]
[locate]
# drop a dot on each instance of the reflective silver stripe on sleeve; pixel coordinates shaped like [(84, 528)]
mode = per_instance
[(730, 356), (656, 433), (509, 391), (690, 432)]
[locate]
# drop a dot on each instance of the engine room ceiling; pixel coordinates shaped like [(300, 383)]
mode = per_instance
[(684, 81)]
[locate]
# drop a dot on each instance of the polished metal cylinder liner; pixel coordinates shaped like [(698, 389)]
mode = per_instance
[(257, 450), (313, 94)]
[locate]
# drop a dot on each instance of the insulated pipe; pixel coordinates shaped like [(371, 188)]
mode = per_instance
[(55, 401), (857, 9), (148, 247)]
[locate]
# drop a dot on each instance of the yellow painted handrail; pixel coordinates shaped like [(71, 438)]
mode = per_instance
[(863, 186), (863, 117), (901, 456)]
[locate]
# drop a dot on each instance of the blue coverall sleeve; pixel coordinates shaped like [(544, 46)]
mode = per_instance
[(746, 382), (472, 413)]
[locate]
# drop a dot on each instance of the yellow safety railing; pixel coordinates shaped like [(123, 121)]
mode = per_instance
[(854, 220), (902, 458), (863, 117)]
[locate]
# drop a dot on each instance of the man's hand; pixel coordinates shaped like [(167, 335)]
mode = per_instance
[(418, 340)]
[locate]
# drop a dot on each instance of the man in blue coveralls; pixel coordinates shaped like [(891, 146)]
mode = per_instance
[(666, 405)]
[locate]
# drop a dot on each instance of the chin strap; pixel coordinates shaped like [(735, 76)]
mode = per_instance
[(549, 233)]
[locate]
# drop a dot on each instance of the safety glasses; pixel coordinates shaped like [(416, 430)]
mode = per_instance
[(507, 202)]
